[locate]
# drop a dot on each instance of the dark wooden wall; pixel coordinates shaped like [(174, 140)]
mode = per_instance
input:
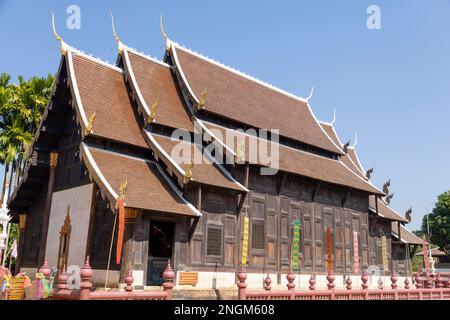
[(272, 207), (378, 228)]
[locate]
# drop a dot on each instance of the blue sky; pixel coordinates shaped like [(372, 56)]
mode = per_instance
[(391, 85)]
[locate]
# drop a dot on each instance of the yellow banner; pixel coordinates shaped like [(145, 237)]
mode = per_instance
[(384, 253), (245, 241)]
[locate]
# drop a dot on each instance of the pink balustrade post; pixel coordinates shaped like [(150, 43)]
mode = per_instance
[(312, 283), (446, 283), (267, 282), (418, 281), (364, 279), (168, 277), (349, 283), (330, 279), (86, 284), (438, 281), (242, 276), (62, 279), (129, 281), (427, 282), (291, 285), (406, 283), (394, 280), (45, 269)]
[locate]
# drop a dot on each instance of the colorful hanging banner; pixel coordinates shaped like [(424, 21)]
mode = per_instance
[(295, 245), (425, 257), (329, 251), (355, 252), (245, 241), (384, 253)]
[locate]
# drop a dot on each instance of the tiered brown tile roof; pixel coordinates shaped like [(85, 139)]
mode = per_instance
[(347, 158), (302, 163), (205, 172), (154, 81), (147, 188), (385, 211), (406, 235), (102, 90), (236, 97)]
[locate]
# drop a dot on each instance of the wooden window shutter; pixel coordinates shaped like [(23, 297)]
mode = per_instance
[(214, 242)]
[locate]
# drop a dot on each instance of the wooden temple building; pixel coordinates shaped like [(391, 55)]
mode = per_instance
[(106, 134)]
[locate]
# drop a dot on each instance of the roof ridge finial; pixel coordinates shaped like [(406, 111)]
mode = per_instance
[(64, 46), (334, 117), (356, 139), (116, 37), (310, 95), (161, 26)]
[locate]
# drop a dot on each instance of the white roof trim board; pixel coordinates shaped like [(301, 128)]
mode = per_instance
[(90, 160), (157, 146), (133, 79), (74, 86), (175, 189)]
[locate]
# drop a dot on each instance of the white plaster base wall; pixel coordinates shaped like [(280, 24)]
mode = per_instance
[(99, 277), (79, 199), (224, 280)]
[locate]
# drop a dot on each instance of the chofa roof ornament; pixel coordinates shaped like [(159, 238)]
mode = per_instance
[(386, 186), (356, 139), (369, 173), (164, 33), (310, 95), (334, 118), (120, 45), (64, 46), (388, 198), (345, 147), (408, 214)]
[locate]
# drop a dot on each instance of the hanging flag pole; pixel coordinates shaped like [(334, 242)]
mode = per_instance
[(119, 213)]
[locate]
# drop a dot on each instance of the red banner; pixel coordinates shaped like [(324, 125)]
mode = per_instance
[(329, 250), (425, 257), (121, 230), (355, 252)]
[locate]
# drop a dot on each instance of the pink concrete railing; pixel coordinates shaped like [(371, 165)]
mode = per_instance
[(86, 293), (430, 288)]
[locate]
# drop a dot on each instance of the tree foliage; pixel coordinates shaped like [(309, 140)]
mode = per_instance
[(439, 222), (21, 109)]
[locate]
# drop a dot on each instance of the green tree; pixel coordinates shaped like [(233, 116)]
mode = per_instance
[(21, 109), (439, 222)]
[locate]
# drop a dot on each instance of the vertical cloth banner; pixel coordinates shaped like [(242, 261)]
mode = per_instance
[(245, 241), (121, 230), (355, 252), (384, 253), (295, 245), (425, 257), (329, 251)]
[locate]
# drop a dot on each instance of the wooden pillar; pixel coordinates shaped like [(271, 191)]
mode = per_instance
[(127, 259), (20, 245), (48, 205)]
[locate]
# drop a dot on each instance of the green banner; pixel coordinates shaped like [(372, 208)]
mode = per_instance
[(295, 245)]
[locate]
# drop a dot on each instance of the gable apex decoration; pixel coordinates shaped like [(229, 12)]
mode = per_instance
[(334, 117), (163, 33), (408, 214), (369, 173), (120, 45), (386, 186), (64, 46)]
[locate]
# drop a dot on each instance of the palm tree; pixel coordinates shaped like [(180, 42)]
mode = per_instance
[(21, 108)]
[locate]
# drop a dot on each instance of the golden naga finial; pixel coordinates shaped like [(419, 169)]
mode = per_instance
[(122, 190), (88, 128), (239, 153), (64, 46), (164, 33), (116, 37), (202, 101), (153, 109), (188, 173)]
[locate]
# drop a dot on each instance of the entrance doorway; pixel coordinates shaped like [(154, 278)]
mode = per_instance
[(159, 250)]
